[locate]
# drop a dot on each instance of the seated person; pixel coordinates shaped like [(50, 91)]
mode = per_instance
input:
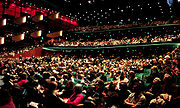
[(169, 87), (123, 93), (154, 88), (76, 98), (51, 100), (23, 80), (136, 98), (6, 100), (68, 90)]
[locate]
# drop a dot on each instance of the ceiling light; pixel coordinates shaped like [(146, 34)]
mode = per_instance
[(89, 1)]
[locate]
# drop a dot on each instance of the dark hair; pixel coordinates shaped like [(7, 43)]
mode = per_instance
[(123, 85), (5, 97), (138, 86), (69, 85), (46, 75), (112, 86), (101, 82), (52, 86), (24, 76), (78, 88), (132, 75)]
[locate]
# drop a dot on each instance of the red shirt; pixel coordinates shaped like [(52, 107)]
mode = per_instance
[(74, 99), (9, 105), (22, 82)]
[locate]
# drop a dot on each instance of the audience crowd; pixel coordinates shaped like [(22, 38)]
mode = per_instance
[(123, 41), (6, 51), (89, 82), (137, 24)]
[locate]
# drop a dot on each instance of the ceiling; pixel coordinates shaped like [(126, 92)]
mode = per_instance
[(105, 12), (96, 12)]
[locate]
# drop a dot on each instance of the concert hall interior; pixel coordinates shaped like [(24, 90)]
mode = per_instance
[(89, 53)]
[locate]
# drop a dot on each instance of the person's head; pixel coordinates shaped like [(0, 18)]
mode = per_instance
[(123, 85), (101, 83), (122, 77), (156, 80), (82, 76), (167, 79), (52, 86), (24, 76), (123, 74), (167, 57), (112, 86), (154, 60), (132, 75), (102, 73), (168, 70), (154, 69), (78, 88), (46, 75), (69, 84), (138, 86), (65, 76)]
